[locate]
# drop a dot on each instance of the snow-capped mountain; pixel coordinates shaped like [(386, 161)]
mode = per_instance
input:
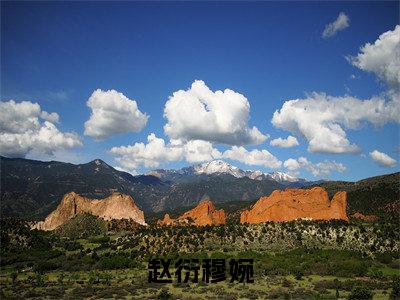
[(281, 177), (220, 167)]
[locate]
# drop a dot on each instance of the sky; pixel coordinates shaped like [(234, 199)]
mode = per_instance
[(306, 88)]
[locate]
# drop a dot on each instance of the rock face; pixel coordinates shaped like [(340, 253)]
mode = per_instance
[(116, 206), (166, 221), (203, 214), (293, 204)]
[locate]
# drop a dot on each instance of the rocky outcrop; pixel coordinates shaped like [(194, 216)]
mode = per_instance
[(292, 204), (166, 221), (368, 218), (116, 206), (203, 214)]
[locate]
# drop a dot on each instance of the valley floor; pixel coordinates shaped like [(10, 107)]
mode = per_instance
[(295, 260)]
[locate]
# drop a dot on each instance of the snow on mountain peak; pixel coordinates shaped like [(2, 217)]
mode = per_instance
[(280, 176), (218, 166), (222, 167)]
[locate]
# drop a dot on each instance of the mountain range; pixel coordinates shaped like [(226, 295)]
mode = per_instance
[(221, 167), (32, 189)]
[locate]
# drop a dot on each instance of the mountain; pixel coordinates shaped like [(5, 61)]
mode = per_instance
[(374, 195), (220, 167), (116, 206), (293, 204), (32, 189)]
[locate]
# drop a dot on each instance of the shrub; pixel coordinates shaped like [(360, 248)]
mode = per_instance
[(72, 246), (360, 293), (116, 261), (164, 294), (395, 294), (44, 266)]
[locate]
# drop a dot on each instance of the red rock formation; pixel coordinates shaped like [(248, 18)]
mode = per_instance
[(368, 218), (166, 221), (203, 214), (293, 204), (116, 206)]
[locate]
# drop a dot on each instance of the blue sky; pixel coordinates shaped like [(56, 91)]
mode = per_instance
[(58, 54)]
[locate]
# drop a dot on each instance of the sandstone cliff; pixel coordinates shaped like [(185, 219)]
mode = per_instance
[(293, 204), (116, 206), (203, 214)]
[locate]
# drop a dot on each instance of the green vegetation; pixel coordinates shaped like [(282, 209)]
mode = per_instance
[(82, 226), (376, 195), (294, 260)]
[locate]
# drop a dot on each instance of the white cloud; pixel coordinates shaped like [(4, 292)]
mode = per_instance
[(150, 155), (51, 117), (199, 151), (382, 159), (19, 117), (382, 57), (291, 164), (218, 117), (25, 128), (156, 153), (253, 157), (321, 169), (290, 141), (113, 113), (132, 172), (339, 24), (321, 119)]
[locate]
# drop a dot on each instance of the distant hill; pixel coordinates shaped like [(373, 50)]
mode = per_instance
[(374, 195), (32, 189)]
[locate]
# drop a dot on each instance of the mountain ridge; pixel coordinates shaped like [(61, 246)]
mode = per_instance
[(32, 189), (222, 167)]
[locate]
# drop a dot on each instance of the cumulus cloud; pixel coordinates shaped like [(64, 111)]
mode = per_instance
[(382, 159), (291, 164), (218, 117), (321, 119), (113, 113), (290, 141), (149, 155), (25, 128), (51, 117), (341, 22), (156, 153), (199, 151), (382, 57), (253, 157), (321, 169)]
